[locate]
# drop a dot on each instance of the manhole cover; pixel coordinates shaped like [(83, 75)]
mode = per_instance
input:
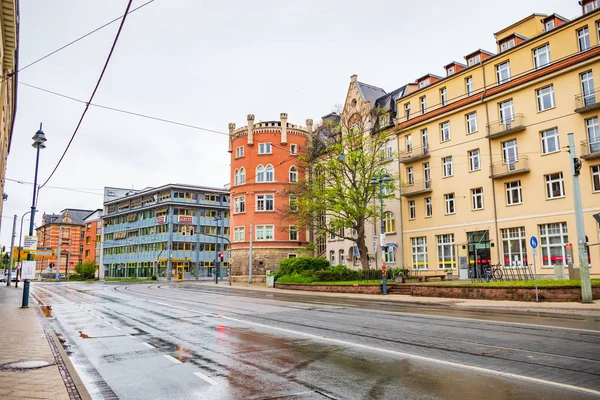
[(24, 365)]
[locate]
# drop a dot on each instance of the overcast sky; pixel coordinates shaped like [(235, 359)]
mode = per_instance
[(208, 63)]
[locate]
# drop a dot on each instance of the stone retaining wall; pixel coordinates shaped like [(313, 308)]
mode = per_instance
[(363, 289), (502, 293)]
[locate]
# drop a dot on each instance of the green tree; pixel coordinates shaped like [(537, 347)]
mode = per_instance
[(336, 197), (86, 270)]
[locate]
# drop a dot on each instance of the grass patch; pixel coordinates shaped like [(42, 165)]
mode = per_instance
[(540, 283)]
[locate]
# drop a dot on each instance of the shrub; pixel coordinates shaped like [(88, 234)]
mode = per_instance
[(296, 278), (291, 266), (328, 275), (153, 278), (86, 270), (76, 277)]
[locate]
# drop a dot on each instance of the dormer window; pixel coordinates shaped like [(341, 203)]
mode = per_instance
[(423, 83), (450, 71), (548, 26), (590, 5), (474, 60), (507, 45)]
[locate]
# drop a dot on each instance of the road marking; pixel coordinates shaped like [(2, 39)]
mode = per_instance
[(117, 328), (206, 378), (148, 345), (171, 358), (422, 358)]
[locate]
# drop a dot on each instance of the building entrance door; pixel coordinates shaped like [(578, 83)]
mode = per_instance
[(479, 252), (179, 273)]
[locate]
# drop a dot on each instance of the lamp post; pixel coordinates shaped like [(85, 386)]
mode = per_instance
[(38, 143), (383, 177)]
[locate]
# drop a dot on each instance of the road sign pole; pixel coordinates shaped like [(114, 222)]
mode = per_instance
[(12, 251), (534, 244), (58, 253)]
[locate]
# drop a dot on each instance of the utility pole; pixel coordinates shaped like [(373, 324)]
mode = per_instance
[(12, 250), (217, 218), (58, 253), (250, 257), (584, 268)]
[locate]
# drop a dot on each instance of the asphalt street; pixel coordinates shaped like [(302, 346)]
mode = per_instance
[(195, 340)]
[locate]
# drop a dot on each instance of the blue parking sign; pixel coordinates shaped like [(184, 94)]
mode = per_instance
[(533, 242)]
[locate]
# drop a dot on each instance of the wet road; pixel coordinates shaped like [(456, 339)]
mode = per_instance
[(186, 341)]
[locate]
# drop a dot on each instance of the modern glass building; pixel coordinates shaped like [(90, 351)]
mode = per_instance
[(177, 228)]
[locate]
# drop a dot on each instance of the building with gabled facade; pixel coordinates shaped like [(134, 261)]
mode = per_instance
[(92, 245)]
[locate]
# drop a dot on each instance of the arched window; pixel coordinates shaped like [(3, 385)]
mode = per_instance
[(270, 173), (389, 222), (236, 178), (242, 176), (293, 174), (260, 173)]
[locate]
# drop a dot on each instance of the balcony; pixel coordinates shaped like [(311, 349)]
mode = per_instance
[(590, 149), (506, 127), (502, 169), (412, 153), (417, 188), (587, 102)]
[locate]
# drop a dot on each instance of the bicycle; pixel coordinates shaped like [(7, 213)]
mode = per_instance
[(492, 272)]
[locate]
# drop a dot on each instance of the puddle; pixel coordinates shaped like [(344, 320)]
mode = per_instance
[(47, 310), (24, 365), (83, 335)]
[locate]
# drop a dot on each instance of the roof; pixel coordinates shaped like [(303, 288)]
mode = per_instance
[(480, 51), (454, 63), (519, 22), (168, 186), (368, 92), (555, 15), (389, 100), (77, 216), (429, 76)]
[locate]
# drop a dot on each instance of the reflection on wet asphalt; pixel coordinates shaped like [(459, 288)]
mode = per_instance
[(182, 341)]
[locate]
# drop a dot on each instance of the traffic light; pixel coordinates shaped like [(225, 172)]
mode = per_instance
[(576, 166), (221, 256)]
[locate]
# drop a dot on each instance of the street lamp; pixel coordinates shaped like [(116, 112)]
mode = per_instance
[(383, 177), (38, 143)]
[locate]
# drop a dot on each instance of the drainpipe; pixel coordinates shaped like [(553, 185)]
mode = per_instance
[(401, 225), (487, 124)]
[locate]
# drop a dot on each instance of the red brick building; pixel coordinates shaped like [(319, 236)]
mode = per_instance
[(264, 162), (71, 242), (92, 244)]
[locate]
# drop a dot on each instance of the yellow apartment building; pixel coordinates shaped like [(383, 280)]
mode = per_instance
[(484, 150)]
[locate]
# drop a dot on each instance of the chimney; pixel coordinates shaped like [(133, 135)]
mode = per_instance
[(353, 78), (309, 125), (283, 117), (250, 129), (231, 129)]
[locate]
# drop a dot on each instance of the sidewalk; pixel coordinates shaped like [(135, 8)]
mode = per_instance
[(24, 339), (570, 308)]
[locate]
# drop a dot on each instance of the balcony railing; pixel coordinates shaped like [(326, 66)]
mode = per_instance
[(506, 126), (590, 149), (412, 153), (512, 167), (587, 101), (416, 188)]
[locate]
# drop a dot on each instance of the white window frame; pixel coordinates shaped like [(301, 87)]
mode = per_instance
[(260, 173), (477, 199), (595, 174), (426, 172), (423, 83), (583, 38), (332, 257), (541, 56), (412, 210), (445, 245), (443, 96), (425, 139), (548, 235), (423, 102), (419, 252), (407, 111), (445, 131), (509, 44), (236, 177), (514, 193), (388, 254), (242, 180), (294, 232), (292, 198), (503, 72), (293, 174), (510, 152), (471, 122), (450, 71), (269, 173), (447, 167), (469, 85), (514, 244), (474, 160), (549, 25), (410, 176), (265, 148), (263, 201), (342, 256), (587, 88), (265, 233), (550, 139), (506, 111), (239, 151), (428, 207), (389, 222), (293, 149), (555, 186), (450, 201), (239, 233), (388, 150), (239, 204), (473, 60), (545, 95)]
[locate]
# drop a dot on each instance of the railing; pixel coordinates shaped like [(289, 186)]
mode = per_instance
[(506, 126), (412, 153), (590, 149), (587, 101), (416, 187), (510, 167)]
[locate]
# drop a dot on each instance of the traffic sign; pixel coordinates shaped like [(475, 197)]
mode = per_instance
[(230, 261), (533, 242), (30, 243), (28, 270)]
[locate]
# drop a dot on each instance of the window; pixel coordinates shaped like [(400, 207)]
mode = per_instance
[(423, 104), (445, 131), (410, 175), (449, 198), (471, 122), (513, 193), (293, 149), (447, 166), (419, 252), (88, 240), (408, 143), (593, 134), (598, 29), (342, 257), (412, 209), (555, 187), (332, 257), (473, 60), (474, 160), (445, 249), (407, 110), (242, 179), (423, 83), (293, 203), (389, 222), (587, 88), (507, 112), (596, 178), (236, 177), (265, 202), (269, 173), (264, 232), (389, 254), (509, 44), (87, 253), (469, 85), (477, 199), (293, 174), (424, 140), (443, 96), (426, 173), (238, 234), (550, 141), (239, 152), (293, 233), (450, 71), (428, 207), (553, 238), (514, 246), (549, 25), (260, 173), (503, 72), (541, 56), (545, 98), (239, 204), (388, 150), (583, 38), (510, 153), (264, 148)]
